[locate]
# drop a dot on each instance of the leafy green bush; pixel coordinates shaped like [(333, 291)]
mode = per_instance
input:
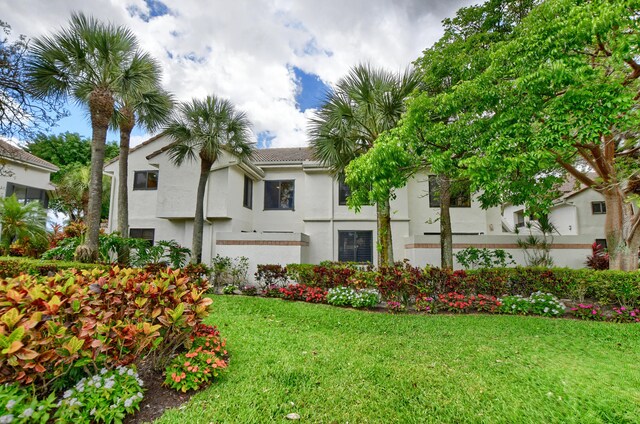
[(301, 273), (472, 257), (12, 267), (347, 296), (106, 397), (51, 326), (19, 405)]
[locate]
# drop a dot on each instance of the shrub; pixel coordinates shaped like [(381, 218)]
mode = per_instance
[(201, 364), (18, 405), (12, 267), (248, 290), (623, 314), (473, 257), (328, 275), (588, 312), (425, 303), (454, 302), (105, 397), (164, 252), (272, 291), (51, 326), (347, 296), (399, 282), (538, 303), (229, 289), (303, 293), (395, 307), (271, 275), (599, 258), (301, 273)]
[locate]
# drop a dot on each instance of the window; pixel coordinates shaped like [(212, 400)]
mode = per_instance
[(598, 208), (145, 180), (26, 194), (279, 194), (460, 193), (519, 219), (602, 242), (343, 191), (247, 198), (355, 246), (143, 233)]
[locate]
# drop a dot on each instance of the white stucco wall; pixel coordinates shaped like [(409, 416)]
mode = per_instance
[(23, 174)]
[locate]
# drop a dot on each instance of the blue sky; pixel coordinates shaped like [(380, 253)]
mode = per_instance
[(274, 59)]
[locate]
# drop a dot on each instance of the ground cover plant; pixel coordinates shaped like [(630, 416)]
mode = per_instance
[(336, 365)]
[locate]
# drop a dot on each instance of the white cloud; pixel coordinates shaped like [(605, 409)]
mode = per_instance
[(244, 50)]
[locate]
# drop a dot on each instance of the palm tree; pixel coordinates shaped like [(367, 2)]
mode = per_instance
[(20, 221), (361, 107), (148, 106), (72, 192), (206, 129), (86, 61)]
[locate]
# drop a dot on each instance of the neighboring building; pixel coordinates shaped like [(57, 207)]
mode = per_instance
[(284, 207), (25, 175)]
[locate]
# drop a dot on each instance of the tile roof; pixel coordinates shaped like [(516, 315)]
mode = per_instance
[(285, 154), (11, 152)]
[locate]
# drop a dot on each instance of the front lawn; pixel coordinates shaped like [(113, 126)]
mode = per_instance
[(338, 365)]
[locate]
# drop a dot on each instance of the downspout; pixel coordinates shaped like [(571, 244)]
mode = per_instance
[(206, 219), (333, 236)]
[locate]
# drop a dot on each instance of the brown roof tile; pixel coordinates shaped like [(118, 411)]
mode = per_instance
[(11, 152)]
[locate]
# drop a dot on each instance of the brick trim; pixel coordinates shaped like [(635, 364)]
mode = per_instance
[(493, 246), (261, 243)]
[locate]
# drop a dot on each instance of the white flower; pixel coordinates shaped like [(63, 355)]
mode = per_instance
[(109, 384), (93, 411), (27, 413), (6, 419), (546, 310), (98, 385), (128, 402), (67, 394), (11, 404), (139, 394), (130, 372), (103, 371)]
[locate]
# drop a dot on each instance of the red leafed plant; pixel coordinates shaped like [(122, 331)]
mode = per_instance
[(49, 325), (599, 258), (304, 293)]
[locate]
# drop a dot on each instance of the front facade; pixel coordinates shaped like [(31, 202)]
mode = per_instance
[(284, 207), (24, 175)]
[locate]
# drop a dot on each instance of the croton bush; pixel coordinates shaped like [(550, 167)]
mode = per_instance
[(53, 328)]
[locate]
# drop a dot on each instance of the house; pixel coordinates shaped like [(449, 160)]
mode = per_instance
[(25, 175), (282, 206)]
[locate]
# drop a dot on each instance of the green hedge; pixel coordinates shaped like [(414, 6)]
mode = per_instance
[(606, 287), (14, 266)]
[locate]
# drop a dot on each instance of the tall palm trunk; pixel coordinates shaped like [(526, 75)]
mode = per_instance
[(385, 240), (446, 234), (126, 126), (198, 222), (101, 109), (623, 240)]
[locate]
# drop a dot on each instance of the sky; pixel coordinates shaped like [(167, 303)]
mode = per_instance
[(274, 59)]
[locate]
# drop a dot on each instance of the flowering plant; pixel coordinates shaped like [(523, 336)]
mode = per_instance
[(588, 311), (395, 307), (105, 397), (347, 296), (271, 290), (425, 303), (17, 405), (229, 289), (248, 290), (304, 293), (538, 303), (201, 364), (455, 302), (366, 298), (623, 314)]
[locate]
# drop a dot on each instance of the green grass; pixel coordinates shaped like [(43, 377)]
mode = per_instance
[(337, 365)]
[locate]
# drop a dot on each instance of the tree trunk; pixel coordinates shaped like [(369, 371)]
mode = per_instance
[(446, 237), (126, 126), (623, 241), (198, 222), (385, 240), (101, 110)]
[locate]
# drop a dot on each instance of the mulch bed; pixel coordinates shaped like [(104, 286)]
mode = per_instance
[(157, 397)]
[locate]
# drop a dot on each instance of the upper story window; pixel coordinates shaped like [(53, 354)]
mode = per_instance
[(355, 246), (598, 208), (460, 193), (247, 198), (344, 191), (147, 234), (145, 180), (26, 194), (279, 194)]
